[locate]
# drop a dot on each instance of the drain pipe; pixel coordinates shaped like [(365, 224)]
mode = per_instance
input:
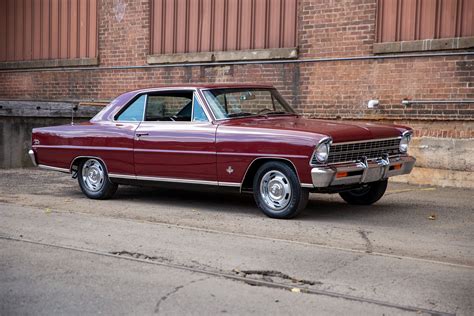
[(410, 102)]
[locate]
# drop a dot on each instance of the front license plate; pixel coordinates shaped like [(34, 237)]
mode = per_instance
[(373, 174)]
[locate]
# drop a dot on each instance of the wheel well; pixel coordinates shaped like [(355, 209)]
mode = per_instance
[(77, 161), (247, 184)]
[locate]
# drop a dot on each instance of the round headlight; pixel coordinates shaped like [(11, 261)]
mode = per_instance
[(322, 152), (404, 143)]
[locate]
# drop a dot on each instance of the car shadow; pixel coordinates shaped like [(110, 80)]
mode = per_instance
[(321, 207)]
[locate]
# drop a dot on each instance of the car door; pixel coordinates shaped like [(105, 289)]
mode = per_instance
[(176, 140), (118, 138)]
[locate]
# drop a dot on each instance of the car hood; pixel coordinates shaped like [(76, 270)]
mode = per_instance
[(339, 131)]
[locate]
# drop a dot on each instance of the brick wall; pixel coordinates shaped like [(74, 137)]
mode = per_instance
[(324, 89)]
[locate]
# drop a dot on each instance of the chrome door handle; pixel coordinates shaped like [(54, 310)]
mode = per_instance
[(141, 134)]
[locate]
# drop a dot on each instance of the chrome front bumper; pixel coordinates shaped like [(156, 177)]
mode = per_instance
[(361, 172)]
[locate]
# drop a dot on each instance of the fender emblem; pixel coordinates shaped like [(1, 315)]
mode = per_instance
[(229, 170), (36, 142)]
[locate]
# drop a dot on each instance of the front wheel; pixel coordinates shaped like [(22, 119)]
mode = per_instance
[(367, 194), (277, 191), (94, 181)]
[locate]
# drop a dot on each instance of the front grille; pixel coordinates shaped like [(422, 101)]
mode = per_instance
[(355, 151)]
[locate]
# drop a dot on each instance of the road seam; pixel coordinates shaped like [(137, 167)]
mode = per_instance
[(250, 236)]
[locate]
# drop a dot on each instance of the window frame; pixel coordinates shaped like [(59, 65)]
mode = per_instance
[(196, 94), (273, 91), (129, 104)]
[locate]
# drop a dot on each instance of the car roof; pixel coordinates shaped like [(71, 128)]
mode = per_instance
[(205, 86)]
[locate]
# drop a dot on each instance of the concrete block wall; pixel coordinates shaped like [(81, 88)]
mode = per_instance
[(18, 118)]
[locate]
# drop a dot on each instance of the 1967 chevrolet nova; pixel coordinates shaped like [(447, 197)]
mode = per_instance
[(244, 137)]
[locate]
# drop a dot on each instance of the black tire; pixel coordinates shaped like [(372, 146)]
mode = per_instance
[(367, 194), (294, 197), (104, 189)]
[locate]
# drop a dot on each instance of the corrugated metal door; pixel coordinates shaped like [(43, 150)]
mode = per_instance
[(47, 29), (184, 26), (407, 20)]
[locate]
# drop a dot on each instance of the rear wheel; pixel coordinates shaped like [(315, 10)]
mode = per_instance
[(278, 192), (367, 194), (94, 181)]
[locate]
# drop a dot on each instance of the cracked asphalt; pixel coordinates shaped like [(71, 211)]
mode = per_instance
[(158, 251)]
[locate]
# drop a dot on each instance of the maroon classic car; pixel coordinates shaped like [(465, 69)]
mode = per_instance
[(244, 137)]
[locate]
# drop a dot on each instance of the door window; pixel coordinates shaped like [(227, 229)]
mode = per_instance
[(177, 106), (134, 112), (168, 106)]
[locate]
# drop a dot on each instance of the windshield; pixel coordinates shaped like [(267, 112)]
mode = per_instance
[(228, 103)]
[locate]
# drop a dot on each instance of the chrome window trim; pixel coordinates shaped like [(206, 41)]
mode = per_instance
[(196, 95), (205, 105), (126, 106), (249, 116), (195, 91), (144, 107)]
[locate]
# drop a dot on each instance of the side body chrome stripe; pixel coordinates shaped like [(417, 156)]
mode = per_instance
[(174, 180), (53, 168), (258, 155)]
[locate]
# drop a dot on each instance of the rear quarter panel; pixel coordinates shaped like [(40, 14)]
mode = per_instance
[(58, 146)]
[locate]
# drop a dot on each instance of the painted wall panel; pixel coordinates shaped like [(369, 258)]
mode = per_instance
[(405, 20), (47, 29), (184, 26)]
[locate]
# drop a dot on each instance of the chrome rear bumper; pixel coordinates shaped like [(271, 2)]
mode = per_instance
[(31, 153), (361, 172)]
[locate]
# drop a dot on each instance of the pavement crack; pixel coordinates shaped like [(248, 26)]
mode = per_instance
[(234, 277), (271, 275), (174, 291), (368, 244), (138, 255)]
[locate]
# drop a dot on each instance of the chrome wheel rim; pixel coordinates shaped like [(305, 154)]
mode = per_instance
[(275, 190), (93, 175)]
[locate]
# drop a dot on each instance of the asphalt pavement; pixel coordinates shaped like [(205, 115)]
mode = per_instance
[(177, 252)]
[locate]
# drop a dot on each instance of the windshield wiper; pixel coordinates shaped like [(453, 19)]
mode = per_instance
[(240, 114)]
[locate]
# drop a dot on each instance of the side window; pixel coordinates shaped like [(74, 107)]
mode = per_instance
[(198, 112), (134, 112), (169, 106)]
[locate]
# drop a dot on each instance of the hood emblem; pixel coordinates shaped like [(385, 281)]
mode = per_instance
[(229, 170)]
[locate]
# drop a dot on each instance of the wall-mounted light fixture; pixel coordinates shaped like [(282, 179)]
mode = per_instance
[(372, 104)]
